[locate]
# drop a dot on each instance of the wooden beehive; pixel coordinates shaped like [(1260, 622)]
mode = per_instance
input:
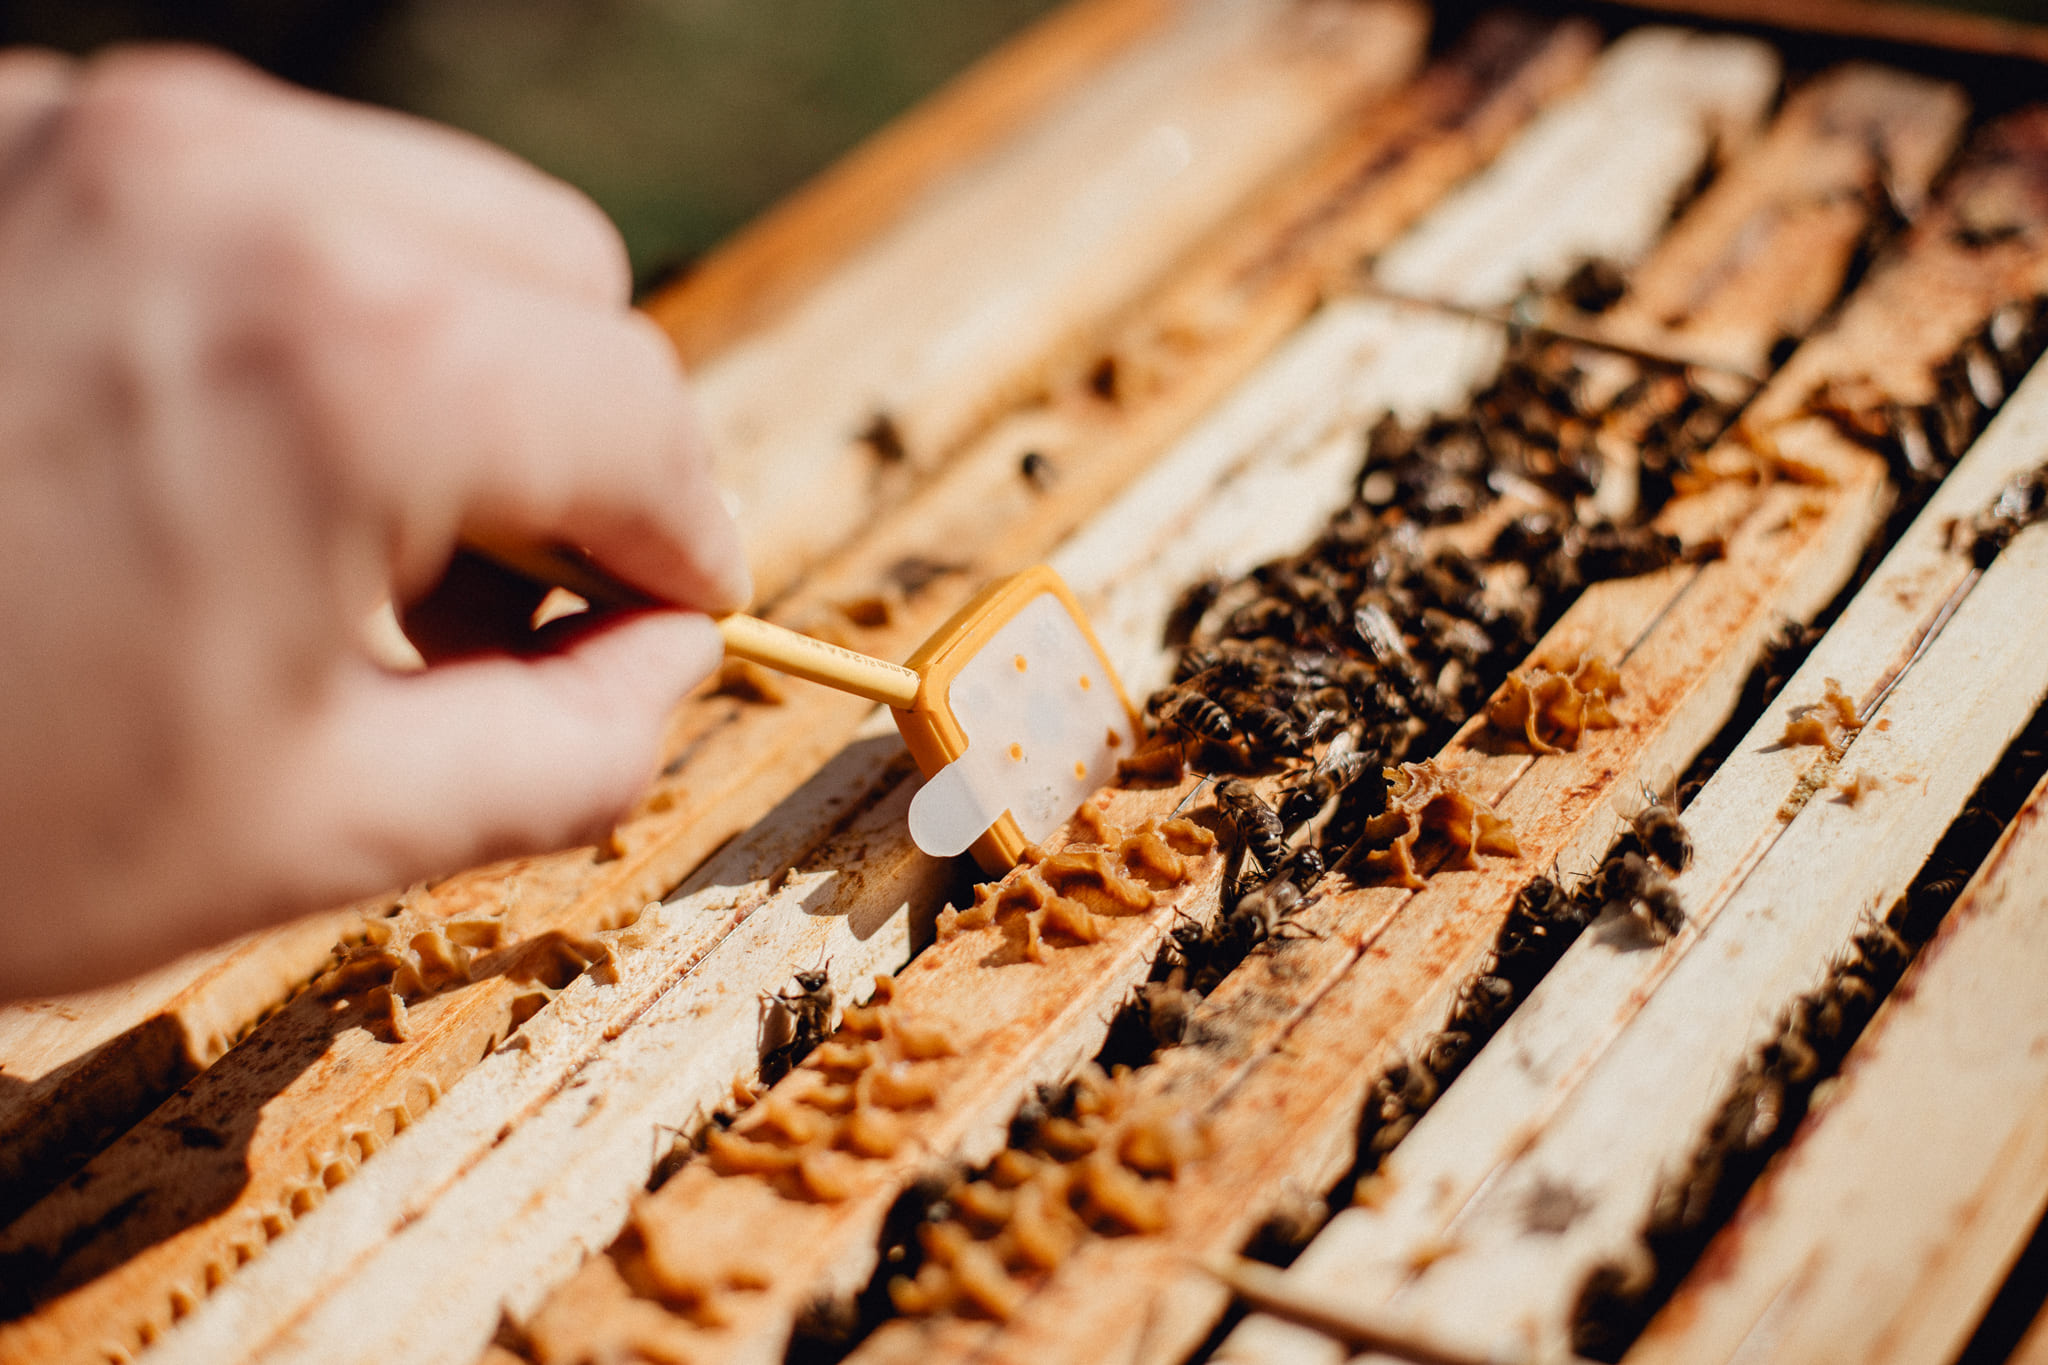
[(1130, 297)]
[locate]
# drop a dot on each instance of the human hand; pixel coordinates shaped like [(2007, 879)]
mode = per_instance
[(264, 358)]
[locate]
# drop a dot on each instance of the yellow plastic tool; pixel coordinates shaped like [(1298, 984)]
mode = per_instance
[(1011, 708)]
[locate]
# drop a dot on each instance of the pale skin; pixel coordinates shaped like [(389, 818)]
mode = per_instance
[(265, 358)]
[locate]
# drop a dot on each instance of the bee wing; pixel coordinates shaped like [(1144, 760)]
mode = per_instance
[(1345, 742)]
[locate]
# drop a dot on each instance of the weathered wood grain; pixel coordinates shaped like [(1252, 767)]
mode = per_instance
[(1058, 1019), (1166, 1306), (78, 1070), (1309, 1025), (965, 307), (776, 885), (1662, 97), (1273, 268), (557, 1187), (1516, 1086), (91, 1066), (1888, 1224), (1301, 385), (1762, 256), (1884, 20), (1645, 1104), (674, 1000)]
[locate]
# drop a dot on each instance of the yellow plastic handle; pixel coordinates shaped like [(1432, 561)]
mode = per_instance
[(749, 637), (746, 637)]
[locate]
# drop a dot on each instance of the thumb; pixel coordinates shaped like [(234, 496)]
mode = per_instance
[(466, 762)]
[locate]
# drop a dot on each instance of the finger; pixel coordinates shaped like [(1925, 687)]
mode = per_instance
[(524, 417), (476, 608), (310, 155), (473, 761)]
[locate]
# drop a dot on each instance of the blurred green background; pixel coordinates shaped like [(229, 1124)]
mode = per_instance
[(683, 118)]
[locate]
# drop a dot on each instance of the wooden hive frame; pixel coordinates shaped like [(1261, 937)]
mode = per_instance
[(450, 1135)]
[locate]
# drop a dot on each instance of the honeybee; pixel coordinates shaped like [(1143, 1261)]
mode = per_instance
[(1165, 1008), (1256, 822), (1265, 616), (1190, 607), (2020, 504), (1382, 638), (1483, 999), (1595, 285), (1880, 950), (1037, 469), (1266, 913), (1447, 1053), (1270, 729), (1456, 637), (1658, 830), (1610, 551), (1304, 867), (1197, 716), (1629, 884), (810, 1019), (1544, 919), (1342, 764)]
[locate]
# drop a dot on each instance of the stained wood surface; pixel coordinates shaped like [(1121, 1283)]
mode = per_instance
[(76, 1071), (530, 1163), (1945, 1095), (740, 744), (91, 1065), (1307, 1026), (967, 305), (1756, 263), (1883, 20), (1288, 1126), (1496, 1133), (1663, 97)]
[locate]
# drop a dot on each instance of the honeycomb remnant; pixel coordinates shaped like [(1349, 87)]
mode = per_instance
[(1103, 1164), (1830, 722), (809, 1133), (405, 954), (1428, 798), (1552, 708), (1072, 894)]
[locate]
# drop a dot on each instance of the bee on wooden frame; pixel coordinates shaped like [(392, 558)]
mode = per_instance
[(1314, 795), (810, 1019), (1658, 830), (1196, 716), (1256, 822), (1165, 1008), (1630, 884), (1266, 914)]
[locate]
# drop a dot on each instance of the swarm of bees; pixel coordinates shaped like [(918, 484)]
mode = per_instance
[(1757, 1115), (1635, 877), (1543, 923), (1333, 665)]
